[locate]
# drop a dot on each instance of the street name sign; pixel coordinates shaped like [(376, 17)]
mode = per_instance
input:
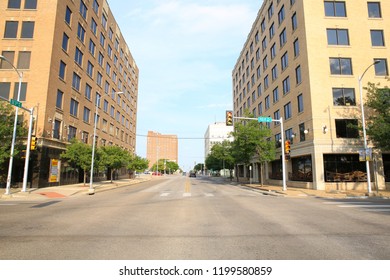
[(264, 119), (16, 103)]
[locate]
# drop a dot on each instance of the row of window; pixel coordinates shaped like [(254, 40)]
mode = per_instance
[(5, 90), (23, 61), (338, 9), (17, 4), (12, 28), (340, 37)]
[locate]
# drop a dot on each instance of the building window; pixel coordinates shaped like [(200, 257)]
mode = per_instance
[(84, 137), (296, 48), (99, 79), (338, 37), (270, 11), (284, 60), (104, 21), (72, 132), (24, 60), (281, 15), (62, 70), (65, 41), (265, 63), (100, 59), (267, 102), (11, 29), (30, 4), (23, 92), (27, 29), (74, 107), (300, 103), (110, 33), (335, 9), (275, 94), (347, 128), (13, 4), (78, 56), (273, 51), (289, 134), (92, 47), (95, 6), (5, 88), (276, 116), (83, 10), (260, 108), (68, 15), (286, 85), (259, 91), (283, 38), (88, 91), (10, 56), (266, 83), (377, 39), (105, 106), (381, 68), (86, 115), (374, 10), (59, 99), (93, 26), (298, 77), (287, 111), (102, 40), (294, 21), (56, 129), (302, 134), (264, 43), (343, 97), (274, 72), (271, 31), (76, 82), (80, 32), (302, 169), (90, 69), (340, 66), (337, 164)]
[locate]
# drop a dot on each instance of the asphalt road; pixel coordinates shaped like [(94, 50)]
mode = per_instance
[(194, 219)]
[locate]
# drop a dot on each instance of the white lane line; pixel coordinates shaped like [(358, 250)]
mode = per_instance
[(186, 194), (376, 210), (164, 194), (352, 203), (209, 194), (364, 206)]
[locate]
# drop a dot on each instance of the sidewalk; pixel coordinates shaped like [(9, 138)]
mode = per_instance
[(301, 192), (67, 190)]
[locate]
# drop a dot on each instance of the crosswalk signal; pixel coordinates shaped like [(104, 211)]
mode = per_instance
[(229, 118), (33, 144)]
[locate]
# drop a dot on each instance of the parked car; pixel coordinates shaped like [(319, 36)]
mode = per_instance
[(156, 174), (192, 174)]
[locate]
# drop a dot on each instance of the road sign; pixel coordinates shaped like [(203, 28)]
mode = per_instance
[(16, 103), (264, 119)]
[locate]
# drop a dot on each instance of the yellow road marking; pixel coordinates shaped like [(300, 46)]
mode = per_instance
[(187, 187)]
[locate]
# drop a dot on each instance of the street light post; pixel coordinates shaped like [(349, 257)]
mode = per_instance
[(364, 125), (91, 190), (11, 159)]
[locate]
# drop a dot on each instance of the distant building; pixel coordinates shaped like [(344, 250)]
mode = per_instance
[(302, 62), (75, 63), (161, 146), (216, 133)]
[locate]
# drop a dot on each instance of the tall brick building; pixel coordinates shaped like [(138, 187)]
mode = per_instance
[(75, 62), (161, 146), (302, 61)]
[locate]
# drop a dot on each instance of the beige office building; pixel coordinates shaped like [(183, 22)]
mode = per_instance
[(302, 61), (75, 63), (161, 146)]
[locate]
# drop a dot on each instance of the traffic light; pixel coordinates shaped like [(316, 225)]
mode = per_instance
[(287, 144), (229, 118), (33, 144)]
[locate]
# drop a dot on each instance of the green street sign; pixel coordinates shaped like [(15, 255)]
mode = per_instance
[(16, 103), (264, 119)]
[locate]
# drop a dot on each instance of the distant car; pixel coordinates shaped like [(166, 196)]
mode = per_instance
[(192, 174), (156, 174)]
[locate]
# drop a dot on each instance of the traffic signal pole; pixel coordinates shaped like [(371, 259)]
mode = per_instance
[(28, 148)]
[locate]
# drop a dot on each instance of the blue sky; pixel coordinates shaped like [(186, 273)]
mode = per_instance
[(185, 51)]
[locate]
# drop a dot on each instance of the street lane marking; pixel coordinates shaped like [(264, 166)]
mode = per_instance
[(164, 194), (364, 206), (347, 202), (209, 194), (187, 187)]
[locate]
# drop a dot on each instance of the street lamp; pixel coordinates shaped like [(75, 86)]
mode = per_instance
[(91, 189), (364, 125), (11, 159)]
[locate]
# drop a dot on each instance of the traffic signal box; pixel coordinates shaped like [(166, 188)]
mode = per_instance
[(33, 144), (229, 118), (287, 148)]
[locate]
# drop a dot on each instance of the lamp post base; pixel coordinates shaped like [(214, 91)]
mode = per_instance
[(91, 191)]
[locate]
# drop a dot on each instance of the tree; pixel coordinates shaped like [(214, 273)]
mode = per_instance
[(378, 121), (7, 119), (165, 165), (252, 140), (114, 157), (78, 154), (221, 157), (138, 164)]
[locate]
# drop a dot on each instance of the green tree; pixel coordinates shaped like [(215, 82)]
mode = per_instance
[(252, 140), (78, 155), (138, 164), (378, 120), (7, 118), (221, 157), (165, 165), (114, 158)]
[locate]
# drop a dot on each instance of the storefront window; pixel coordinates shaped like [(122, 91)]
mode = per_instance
[(302, 169), (344, 168)]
